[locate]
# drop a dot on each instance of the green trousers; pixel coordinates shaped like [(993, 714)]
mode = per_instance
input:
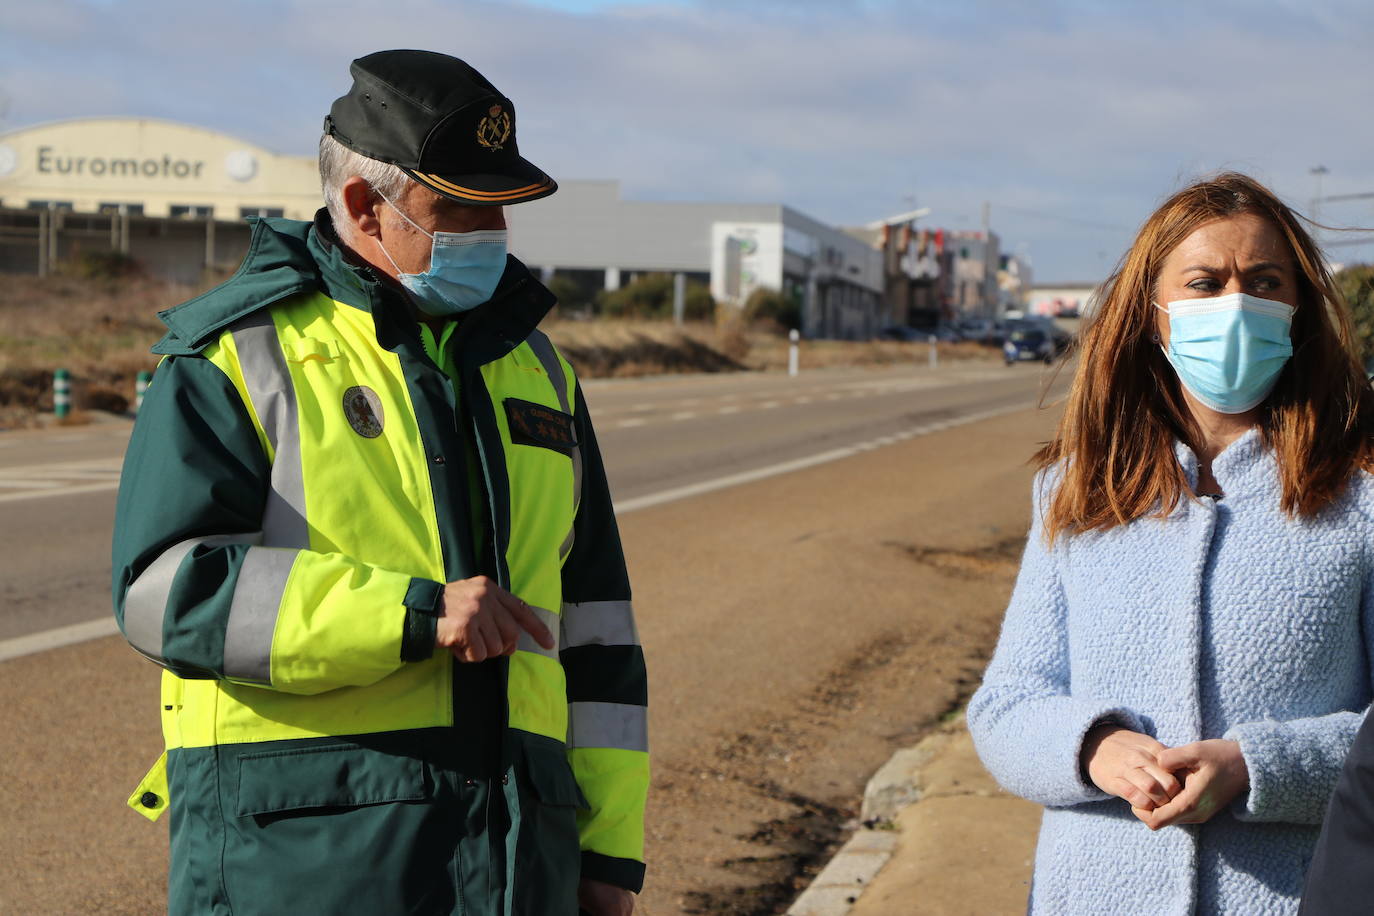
[(374, 824)]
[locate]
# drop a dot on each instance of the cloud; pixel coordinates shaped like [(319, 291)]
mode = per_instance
[(1070, 112)]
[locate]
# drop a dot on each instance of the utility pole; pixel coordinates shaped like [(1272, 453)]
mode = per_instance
[(1317, 172), (989, 269)]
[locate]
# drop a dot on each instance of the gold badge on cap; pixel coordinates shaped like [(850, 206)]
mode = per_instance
[(494, 130)]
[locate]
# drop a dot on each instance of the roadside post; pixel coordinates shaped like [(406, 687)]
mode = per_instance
[(140, 388), (61, 393), (793, 353), (934, 352)]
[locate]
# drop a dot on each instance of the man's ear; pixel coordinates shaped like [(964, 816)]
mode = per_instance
[(360, 205)]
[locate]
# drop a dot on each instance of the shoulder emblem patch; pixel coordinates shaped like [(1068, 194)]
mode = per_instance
[(363, 409), (535, 424)]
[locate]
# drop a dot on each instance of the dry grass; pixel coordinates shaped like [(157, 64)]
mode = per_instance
[(100, 331)]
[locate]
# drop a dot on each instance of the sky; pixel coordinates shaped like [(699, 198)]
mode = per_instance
[(1071, 119)]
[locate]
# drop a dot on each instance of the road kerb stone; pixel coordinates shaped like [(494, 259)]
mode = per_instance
[(895, 786), (843, 879)]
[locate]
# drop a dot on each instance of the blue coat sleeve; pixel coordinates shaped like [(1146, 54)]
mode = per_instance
[(1294, 764), (1027, 726)]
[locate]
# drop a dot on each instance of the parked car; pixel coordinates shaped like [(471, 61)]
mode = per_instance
[(1034, 338), (1023, 343), (901, 332), (979, 329)]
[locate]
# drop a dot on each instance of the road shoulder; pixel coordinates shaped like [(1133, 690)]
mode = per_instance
[(940, 836)]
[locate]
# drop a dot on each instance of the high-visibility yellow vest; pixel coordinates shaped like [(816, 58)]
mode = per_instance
[(350, 544)]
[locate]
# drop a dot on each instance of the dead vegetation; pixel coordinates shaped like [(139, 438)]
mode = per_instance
[(100, 330)]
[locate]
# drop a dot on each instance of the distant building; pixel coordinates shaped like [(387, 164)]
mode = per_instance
[(588, 232), (146, 167), (1067, 300), (170, 196)]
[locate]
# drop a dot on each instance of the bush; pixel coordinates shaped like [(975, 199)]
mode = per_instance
[(103, 265), (768, 306), (651, 296), (570, 294), (1357, 286)]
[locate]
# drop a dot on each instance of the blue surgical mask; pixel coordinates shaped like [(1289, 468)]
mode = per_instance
[(464, 269), (1228, 351)]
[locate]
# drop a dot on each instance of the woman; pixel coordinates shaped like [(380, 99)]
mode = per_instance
[(1186, 655)]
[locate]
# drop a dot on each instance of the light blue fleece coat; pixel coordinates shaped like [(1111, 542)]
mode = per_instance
[(1225, 620)]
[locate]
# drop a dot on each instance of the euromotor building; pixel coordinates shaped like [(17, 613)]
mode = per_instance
[(170, 196), (173, 198)]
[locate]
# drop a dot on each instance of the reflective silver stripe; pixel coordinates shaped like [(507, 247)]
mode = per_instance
[(599, 623), (274, 399), (553, 368), (527, 642), (615, 725), (253, 614), (566, 547), (145, 602)]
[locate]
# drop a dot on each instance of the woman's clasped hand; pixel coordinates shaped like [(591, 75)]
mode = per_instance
[(1165, 785)]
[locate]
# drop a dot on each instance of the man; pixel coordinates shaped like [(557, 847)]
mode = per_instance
[(1340, 881), (364, 526)]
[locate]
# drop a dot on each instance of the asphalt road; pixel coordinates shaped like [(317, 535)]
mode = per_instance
[(664, 435), (799, 625)]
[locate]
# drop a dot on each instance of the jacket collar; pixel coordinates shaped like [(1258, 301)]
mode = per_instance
[(1230, 468), (286, 257)]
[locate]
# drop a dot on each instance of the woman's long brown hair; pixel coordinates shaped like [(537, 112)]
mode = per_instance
[(1115, 441)]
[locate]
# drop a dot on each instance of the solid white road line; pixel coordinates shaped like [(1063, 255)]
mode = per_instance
[(623, 507), (82, 632), (63, 491), (54, 639)]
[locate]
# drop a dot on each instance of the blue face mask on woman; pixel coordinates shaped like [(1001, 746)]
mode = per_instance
[(1228, 351), (464, 269)]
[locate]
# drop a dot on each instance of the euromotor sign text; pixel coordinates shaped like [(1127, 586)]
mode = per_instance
[(53, 163)]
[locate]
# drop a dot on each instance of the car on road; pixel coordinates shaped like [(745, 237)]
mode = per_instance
[(1034, 339)]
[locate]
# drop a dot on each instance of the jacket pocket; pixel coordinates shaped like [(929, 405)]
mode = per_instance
[(325, 777)]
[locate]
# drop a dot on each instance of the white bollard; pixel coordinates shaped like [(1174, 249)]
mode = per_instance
[(934, 353), (140, 387), (793, 353)]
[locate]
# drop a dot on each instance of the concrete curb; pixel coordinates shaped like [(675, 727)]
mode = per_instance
[(849, 872)]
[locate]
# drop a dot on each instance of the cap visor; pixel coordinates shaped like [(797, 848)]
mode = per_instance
[(523, 182)]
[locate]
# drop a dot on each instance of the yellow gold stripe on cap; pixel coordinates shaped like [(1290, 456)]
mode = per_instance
[(472, 193)]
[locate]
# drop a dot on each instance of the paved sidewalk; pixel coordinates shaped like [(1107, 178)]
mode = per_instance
[(962, 847)]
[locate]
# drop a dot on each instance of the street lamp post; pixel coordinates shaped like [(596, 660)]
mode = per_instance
[(1317, 172)]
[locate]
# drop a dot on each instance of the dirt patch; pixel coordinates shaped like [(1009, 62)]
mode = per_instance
[(999, 560)]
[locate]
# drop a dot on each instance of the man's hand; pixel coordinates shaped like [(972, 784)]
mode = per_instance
[(1214, 773), (482, 620), (601, 899), (1126, 764)]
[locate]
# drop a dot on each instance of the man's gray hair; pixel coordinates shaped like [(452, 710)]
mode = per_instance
[(338, 163)]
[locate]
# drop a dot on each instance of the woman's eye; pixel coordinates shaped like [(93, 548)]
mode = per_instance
[(1268, 284), (1206, 284)]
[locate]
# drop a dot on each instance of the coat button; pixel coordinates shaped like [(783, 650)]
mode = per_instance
[(469, 781), (439, 459), (505, 780), (149, 800)]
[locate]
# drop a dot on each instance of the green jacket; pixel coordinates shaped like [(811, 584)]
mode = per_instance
[(301, 481)]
